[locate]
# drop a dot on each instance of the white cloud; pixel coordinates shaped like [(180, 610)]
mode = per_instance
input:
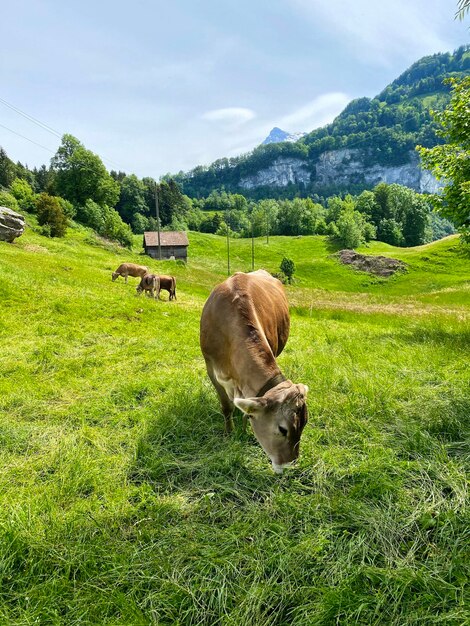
[(316, 113), (231, 117), (381, 32)]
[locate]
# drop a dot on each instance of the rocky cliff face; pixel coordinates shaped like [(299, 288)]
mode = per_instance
[(282, 172), (342, 168), (345, 167)]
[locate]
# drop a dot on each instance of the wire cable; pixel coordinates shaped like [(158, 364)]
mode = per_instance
[(27, 139)]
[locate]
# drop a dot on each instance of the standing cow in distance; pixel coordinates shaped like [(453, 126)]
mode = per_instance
[(130, 269), (169, 284), (244, 327), (151, 284)]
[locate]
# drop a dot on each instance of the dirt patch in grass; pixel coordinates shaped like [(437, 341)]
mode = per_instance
[(378, 265), (31, 247)]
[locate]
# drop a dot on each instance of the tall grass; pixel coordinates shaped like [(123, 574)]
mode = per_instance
[(123, 502)]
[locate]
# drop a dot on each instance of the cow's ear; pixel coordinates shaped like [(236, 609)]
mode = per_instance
[(250, 406)]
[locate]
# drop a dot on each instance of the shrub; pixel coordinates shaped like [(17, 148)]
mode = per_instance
[(23, 193), (67, 208), (280, 276), (287, 267), (9, 201), (51, 215)]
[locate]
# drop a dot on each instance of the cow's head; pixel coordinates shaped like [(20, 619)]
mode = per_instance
[(278, 419), (139, 288), (115, 275)]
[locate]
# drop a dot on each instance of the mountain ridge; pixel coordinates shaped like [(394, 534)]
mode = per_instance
[(384, 130), (277, 135)]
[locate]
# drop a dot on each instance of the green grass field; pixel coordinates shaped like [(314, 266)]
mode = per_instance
[(123, 503)]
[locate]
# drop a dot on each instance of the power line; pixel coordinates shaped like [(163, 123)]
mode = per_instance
[(27, 139), (50, 130), (31, 118)]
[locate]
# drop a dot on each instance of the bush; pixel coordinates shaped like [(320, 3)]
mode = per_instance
[(23, 193), (9, 201), (107, 222), (67, 208), (280, 276), (51, 215), (287, 267)]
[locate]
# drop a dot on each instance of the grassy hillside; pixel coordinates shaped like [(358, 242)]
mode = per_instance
[(123, 502)]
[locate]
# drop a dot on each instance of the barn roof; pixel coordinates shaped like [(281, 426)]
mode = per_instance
[(167, 238)]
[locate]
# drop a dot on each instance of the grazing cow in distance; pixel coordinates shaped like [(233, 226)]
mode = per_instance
[(244, 327), (130, 269), (169, 284), (151, 284)]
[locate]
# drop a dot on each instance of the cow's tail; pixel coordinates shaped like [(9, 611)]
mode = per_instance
[(173, 286)]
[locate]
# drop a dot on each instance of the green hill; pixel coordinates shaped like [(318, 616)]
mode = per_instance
[(383, 130), (123, 502)]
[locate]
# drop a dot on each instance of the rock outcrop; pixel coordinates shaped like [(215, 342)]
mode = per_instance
[(342, 168), (282, 172), (11, 224)]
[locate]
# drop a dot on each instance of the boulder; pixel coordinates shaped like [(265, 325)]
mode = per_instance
[(11, 224)]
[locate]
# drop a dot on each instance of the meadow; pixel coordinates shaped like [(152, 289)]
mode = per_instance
[(122, 501)]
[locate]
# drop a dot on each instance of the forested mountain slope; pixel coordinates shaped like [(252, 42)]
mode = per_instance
[(371, 140)]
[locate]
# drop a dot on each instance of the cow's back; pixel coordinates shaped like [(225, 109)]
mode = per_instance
[(166, 282), (245, 309), (132, 269)]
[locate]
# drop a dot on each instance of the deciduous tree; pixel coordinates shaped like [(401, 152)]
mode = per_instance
[(81, 175), (450, 162)]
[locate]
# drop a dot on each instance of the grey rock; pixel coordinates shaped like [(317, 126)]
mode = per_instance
[(282, 172), (12, 224), (341, 168)]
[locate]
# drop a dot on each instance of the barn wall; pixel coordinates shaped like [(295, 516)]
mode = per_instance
[(178, 252)]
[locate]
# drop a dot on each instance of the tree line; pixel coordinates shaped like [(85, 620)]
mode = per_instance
[(391, 213), (77, 186)]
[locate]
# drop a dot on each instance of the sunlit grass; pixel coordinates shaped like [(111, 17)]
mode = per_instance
[(123, 502)]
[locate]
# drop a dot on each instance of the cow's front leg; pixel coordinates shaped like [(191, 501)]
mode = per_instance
[(225, 402)]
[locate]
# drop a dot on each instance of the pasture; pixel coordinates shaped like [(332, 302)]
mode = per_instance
[(122, 502)]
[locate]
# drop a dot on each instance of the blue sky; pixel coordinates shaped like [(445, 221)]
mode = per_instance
[(156, 87)]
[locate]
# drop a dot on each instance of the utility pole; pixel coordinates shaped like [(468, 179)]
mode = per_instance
[(267, 225), (228, 242), (252, 247), (158, 222)]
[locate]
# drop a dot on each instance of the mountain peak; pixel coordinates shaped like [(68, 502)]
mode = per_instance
[(277, 135)]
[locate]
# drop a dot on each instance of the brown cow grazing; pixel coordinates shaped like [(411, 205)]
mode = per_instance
[(151, 284), (244, 327), (130, 269), (169, 284)]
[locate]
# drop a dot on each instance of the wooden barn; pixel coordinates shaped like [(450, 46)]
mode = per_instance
[(174, 244)]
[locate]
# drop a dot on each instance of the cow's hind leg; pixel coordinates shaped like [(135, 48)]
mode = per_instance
[(225, 402)]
